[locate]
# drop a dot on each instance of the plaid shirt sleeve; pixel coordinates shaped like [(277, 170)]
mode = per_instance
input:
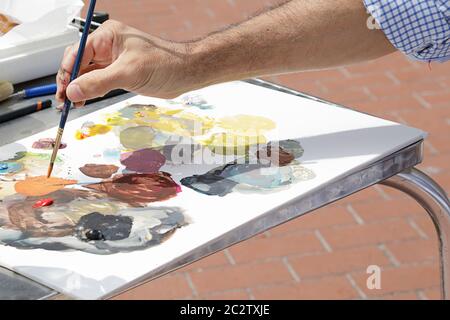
[(419, 28)]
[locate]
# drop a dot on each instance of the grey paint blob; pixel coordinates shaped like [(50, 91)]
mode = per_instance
[(108, 226)]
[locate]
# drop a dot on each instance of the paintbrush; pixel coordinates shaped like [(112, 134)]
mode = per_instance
[(75, 71)]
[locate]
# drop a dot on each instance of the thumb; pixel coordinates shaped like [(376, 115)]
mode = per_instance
[(95, 84)]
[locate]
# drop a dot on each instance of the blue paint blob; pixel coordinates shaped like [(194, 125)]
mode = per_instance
[(10, 167), (111, 154)]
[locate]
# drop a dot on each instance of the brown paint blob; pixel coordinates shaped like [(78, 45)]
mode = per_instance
[(47, 221), (41, 186), (276, 156), (102, 171), (139, 189)]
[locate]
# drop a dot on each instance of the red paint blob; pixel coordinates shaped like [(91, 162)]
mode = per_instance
[(43, 203)]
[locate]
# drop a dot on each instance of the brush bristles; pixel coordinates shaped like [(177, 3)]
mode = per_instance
[(49, 171), (55, 151)]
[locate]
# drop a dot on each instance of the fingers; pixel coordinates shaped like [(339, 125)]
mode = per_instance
[(95, 84), (97, 51), (61, 96)]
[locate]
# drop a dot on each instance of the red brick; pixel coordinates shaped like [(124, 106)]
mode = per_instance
[(440, 141), (390, 209), (367, 80), (418, 75), (216, 260), (433, 293), (433, 165), (324, 217), (397, 61), (369, 234), (404, 89), (307, 76), (337, 262), (367, 194), (228, 295), (389, 104), (240, 276), (167, 287), (434, 121), (392, 193), (401, 279), (400, 296), (415, 250), (347, 96), (443, 180), (330, 288), (426, 225), (279, 246)]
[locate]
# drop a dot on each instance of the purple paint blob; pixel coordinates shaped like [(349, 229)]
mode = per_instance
[(143, 161), (47, 144)]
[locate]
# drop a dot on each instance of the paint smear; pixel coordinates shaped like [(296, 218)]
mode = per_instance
[(275, 155), (41, 186), (29, 163), (253, 177), (10, 167), (47, 144), (136, 138), (6, 189), (43, 203), (247, 125), (111, 154), (115, 119), (73, 223), (139, 189), (58, 220), (90, 129), (232, 144), (173, 121), (98, 227), (292, 146), (274, 167), (143, 161), (102, 171)]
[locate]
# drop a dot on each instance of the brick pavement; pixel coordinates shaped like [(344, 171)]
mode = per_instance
[(323, 255)]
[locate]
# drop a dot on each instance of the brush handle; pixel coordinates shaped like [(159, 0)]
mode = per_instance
[(79, 58), (40, 91), (23, 111)]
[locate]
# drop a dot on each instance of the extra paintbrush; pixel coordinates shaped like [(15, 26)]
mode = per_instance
[(75, 71), (7, 114)]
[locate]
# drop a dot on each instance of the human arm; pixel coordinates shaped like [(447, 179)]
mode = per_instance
[(299, 35)]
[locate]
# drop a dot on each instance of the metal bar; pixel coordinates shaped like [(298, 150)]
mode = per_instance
[(435, 201)]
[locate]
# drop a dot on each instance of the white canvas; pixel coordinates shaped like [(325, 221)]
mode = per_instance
[(335, 140)]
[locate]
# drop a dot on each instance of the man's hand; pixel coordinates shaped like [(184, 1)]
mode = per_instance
[(118, 56), (299, 35)]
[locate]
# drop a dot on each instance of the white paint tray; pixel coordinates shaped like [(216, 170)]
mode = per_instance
[(37, 58)]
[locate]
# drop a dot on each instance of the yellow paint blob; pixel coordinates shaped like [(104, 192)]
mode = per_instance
[(115, 119), (246, 125), (92, 130), (231, 144), (176, 122)]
